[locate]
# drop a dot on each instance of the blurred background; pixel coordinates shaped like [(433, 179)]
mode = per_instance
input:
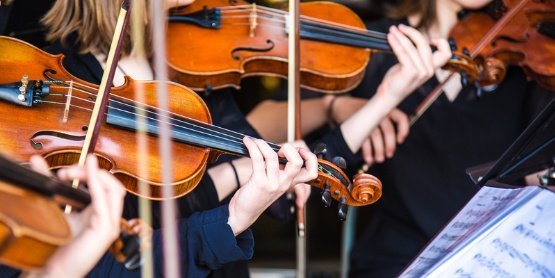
[(275, 241)]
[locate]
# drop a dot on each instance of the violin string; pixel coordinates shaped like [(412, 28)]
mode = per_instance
[(324, 24), (337, 35), (188, 123), (321, 26), (209, 130), (282, 14)]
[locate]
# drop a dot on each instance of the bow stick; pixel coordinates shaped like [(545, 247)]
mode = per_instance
[(169, 214), (294, 119), (103, 95)]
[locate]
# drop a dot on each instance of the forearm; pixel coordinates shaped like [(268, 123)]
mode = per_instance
[(269, 118), (224, 179), (358, 127)]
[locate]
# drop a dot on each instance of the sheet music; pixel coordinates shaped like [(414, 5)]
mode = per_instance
[(478, 216), (522, 245)]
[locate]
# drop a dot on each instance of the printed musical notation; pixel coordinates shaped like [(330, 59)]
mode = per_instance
[(501, 232)]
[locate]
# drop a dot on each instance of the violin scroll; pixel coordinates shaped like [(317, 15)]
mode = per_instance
[(365, 190), (126, 249), (513, 33)]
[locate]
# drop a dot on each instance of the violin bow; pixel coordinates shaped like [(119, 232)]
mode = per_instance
[(100, 105), (438, 90), (138, 14), (294, 119), (168, 211)]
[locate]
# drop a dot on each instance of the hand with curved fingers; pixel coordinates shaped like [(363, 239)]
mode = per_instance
[(301, 190), (269, 180), (95, 228), (383, 141), (416, 64)]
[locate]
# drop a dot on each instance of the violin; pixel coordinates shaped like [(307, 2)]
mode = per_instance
[(514, 33), (31, 219), (241, 39), (47, 112)]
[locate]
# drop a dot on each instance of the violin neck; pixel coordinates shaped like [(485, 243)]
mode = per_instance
[(21, 176), (332, 34), (183, 129)]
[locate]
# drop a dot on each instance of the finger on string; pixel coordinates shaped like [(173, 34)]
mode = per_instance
[(256, 156), (39, 164), (294, 161), (310, 170), (398, 49), (271, 159), (443, 53), (410, 49), (422, 46)]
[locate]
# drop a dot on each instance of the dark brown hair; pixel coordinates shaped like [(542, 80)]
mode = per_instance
[(403, 8)]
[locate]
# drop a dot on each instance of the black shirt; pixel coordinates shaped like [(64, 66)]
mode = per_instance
[(425, 182)]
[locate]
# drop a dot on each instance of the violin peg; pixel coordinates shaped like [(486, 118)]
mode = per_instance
[(207, 91), (462, 14), (465, 51), (342, 209), (326, 195), (464, 78), (131, 250), (340, 162), (321, 150), (452, 44), (479, 91)]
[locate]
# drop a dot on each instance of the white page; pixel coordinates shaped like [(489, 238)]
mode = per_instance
[(522, 245), (488, 203)]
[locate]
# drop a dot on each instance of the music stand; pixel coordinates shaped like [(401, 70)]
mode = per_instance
[(532, 151)]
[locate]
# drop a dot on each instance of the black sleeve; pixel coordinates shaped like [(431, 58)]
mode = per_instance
[(336, 146)]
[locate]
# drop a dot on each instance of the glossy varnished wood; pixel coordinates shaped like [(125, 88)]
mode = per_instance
[(116, 147), (202, 56)]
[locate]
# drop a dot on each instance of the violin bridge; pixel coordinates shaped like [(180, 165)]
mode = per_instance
[(253, 20), (68, 102)]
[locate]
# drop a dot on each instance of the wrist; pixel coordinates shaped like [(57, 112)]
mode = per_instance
[(237, 180), (386, 98), (234, 221)]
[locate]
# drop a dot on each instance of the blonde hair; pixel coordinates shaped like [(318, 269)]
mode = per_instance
[(94, 23)]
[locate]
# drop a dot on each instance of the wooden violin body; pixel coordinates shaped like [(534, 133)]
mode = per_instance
[(252, 40), (31, 219), (44, 129), (53, 123), (517, 38), (29, 239)]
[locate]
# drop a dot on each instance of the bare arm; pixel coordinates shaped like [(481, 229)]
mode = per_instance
[(416, 65), (269, 118)]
